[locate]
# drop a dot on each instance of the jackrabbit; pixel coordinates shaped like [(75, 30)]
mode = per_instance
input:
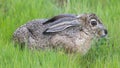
[(74, 33)]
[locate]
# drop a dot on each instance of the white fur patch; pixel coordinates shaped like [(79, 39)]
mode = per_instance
[(93, 20)]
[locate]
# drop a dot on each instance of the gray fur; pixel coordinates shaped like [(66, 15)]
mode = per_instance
[(75, 38)]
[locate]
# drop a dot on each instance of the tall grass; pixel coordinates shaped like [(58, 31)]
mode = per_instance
[(14, 13)]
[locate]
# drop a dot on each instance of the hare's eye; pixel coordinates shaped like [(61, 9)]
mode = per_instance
[(93, 22)]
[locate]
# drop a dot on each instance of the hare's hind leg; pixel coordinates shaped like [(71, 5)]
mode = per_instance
[(23, 36)]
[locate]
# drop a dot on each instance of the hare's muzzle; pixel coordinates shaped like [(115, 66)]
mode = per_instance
[(103, 33)]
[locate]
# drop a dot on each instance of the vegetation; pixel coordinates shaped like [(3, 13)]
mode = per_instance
[(13, 13)]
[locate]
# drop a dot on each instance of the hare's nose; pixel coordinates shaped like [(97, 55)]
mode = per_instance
[(105, 31)]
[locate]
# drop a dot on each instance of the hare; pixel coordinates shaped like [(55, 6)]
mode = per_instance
[(73, 33)]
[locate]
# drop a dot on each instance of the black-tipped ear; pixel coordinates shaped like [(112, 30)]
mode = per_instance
[(56, 29), (59, 17), (61, 26), (46, 33)]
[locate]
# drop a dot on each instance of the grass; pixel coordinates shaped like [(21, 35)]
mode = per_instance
[(14, 13)]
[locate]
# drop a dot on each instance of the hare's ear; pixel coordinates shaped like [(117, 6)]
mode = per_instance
[(59, 17), (61, 26)]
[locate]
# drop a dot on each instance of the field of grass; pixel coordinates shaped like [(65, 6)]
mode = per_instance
[(14, 13)]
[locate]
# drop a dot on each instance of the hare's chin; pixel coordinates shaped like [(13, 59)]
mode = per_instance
[(102, 36)]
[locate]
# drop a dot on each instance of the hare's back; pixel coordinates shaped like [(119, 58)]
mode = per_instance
[(31, 33)]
